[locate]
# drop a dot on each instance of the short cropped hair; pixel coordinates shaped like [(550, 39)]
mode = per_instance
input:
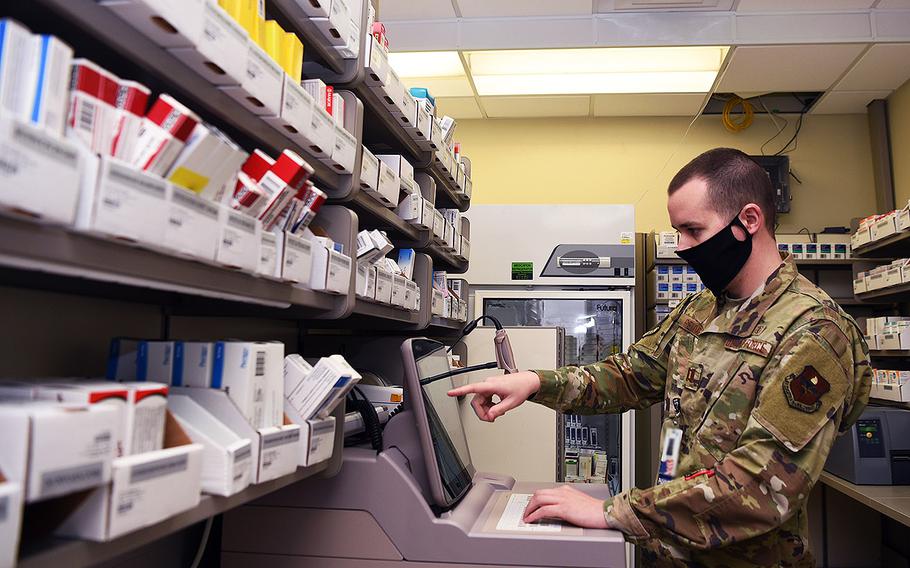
[(734, 180)]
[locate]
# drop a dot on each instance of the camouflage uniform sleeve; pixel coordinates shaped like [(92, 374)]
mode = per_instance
[(807, 389), (635, 379)]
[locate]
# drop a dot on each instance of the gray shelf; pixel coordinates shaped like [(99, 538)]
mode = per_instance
[(447, 194), (34, 251), (375, 215), (446, 323), (892, 353), (56, 552), (184, 83), (899, 293), (290, 14), (445, 260), (890, 500), (894, 246), (385, 312)]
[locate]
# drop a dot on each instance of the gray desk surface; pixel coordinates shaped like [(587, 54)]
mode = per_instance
[(890, 500)]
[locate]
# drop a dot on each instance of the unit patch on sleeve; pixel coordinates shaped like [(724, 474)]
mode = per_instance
[(805, 390)]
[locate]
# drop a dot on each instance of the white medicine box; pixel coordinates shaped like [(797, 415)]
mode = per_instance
[(42, 176), (320, 136), (297, 259), (10, 521), (54, 449), (275, 448), (296, 115), (193, 225), (261, 85), (269, 256), (383, 286), (344, 151), (169, 23), (241, 239), (331, 271), (125, 204), (369, 171), (376, 61), (366, 281), (145, 489), (389, 185), (221, 50), (227, 458)]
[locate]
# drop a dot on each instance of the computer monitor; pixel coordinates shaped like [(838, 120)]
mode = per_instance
[(438, 420)]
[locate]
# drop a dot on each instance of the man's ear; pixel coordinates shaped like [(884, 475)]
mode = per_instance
[(752, 217)]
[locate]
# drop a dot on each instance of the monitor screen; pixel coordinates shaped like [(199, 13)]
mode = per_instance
[(444, 419)]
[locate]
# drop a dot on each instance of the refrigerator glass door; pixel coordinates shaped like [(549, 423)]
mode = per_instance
[(597, 324)]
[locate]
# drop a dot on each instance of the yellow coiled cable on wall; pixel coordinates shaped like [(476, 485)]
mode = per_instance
[(737, 122)]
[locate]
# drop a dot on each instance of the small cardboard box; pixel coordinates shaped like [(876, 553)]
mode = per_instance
[(677, 274), (297, 259), (193, 225), (369, 172), (145, 489), (411, 295), (296, 116), (343, 151), (377, 63), (859, 285), (893, 276), (241, 239), (261, 86), (884, 227), (55, 449), (861, 237), (221, 50), (270, 255), (125, 204), (383, 286), (677, 290), (42, 173), (227, 457), (275, 449), (399, 287), (10, 521), (168, 23), (437, 306), (389, 185), (193, 361)]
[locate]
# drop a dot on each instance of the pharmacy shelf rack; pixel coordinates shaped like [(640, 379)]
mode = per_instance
[(899, 293), (186, 85), (50, 257), (894, 246), (57, 552), (889, 353), (447, 194), (290, 15), (52, 552)]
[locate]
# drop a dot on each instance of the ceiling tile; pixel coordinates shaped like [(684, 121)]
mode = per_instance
[(884, 66), (520, 8), (391, 10), (791, 6), (514, 107), (893, 5), (847, 102), (458, 107), (442, 86), (787, 67), (670, 104)]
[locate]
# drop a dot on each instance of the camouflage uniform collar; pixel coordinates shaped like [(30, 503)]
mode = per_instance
[(740, 318)]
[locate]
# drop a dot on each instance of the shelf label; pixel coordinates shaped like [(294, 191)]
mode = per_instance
[(522, 271), (71, 479)]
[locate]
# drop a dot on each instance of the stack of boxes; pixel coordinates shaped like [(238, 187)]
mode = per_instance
[(878, 227), (890, 333), (675, 282), (449, 299), (382, 279), (821, 246), (884, 276), (152, 173)]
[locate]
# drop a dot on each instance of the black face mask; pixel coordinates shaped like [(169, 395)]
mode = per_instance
[(719, 259)]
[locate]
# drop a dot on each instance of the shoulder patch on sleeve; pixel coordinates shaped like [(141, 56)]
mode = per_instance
[(802, 393)]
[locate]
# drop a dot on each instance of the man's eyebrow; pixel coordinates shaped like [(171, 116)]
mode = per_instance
[(688, 225)]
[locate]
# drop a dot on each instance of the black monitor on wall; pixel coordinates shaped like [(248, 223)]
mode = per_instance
[(778, 169)]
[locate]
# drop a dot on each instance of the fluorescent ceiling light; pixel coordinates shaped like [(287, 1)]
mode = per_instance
[(596, 70), (427, 64)]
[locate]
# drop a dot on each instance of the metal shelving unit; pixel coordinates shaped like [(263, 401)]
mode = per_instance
[(894, 246), (890, 353), (59, 259), (36, 251), (899, 293)]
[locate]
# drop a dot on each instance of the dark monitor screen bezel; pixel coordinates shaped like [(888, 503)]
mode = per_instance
[(446, 488)]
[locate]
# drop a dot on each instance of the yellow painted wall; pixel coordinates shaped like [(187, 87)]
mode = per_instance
[(899, 125), (622, 160)]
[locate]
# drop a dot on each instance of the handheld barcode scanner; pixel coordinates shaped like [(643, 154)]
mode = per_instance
[(505, 359)]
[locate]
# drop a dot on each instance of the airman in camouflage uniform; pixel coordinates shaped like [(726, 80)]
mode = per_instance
[(759, 388)]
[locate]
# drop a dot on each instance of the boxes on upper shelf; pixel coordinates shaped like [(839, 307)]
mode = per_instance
[(666, 243), (169, 23), (261, 85), (221, 50), (885, 226)]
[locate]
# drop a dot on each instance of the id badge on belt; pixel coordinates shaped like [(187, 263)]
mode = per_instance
[(669, 455)]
